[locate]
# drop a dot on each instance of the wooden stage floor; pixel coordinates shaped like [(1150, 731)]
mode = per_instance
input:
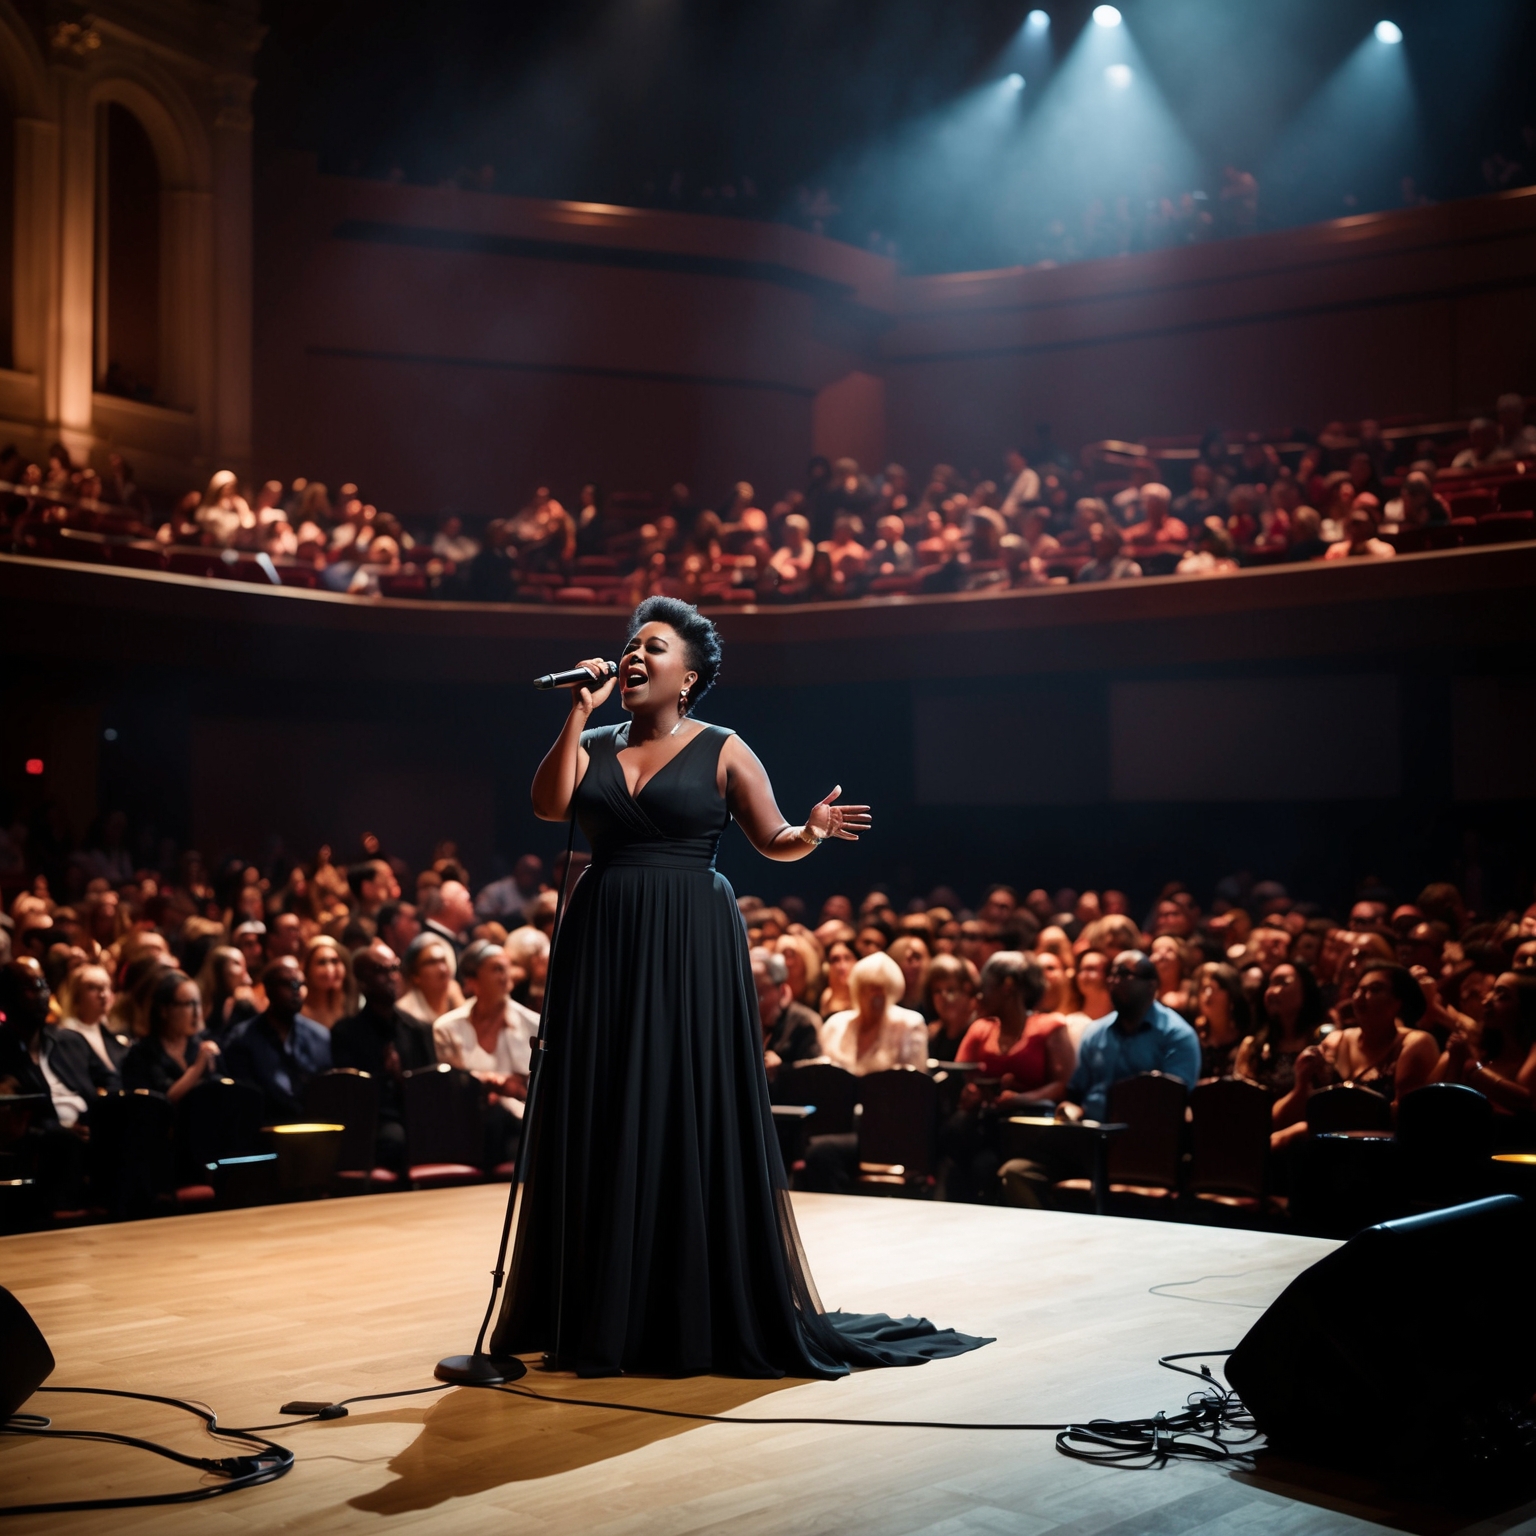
[(248, 1309)]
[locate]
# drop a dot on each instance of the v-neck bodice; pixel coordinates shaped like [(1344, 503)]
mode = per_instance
[(674, 819)]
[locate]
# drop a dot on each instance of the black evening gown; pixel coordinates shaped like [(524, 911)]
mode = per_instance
[(654, 1232)]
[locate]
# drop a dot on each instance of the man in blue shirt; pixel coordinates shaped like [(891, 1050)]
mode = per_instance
[(280, 1050), (1141, 1035)]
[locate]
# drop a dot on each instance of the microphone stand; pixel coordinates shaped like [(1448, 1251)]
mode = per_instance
[(480, 1369)]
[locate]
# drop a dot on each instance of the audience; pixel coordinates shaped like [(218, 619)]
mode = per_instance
[(1021, 524), (1018, 993)]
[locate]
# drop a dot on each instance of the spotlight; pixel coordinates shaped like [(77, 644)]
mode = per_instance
[(1388, 32), (1015, 82), (1038, 20), (1106, 16), (1117, 76)]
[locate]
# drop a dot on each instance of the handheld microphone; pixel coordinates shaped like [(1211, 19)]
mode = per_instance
[(577, 677)]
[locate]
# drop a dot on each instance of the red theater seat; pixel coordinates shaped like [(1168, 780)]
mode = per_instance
[(1505, 527), (443, 1175)]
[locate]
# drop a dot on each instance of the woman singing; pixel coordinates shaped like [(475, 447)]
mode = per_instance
[(655, 1232)]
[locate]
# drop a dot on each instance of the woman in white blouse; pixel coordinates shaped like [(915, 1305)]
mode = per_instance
[(491, 1037), (431, 990), (877, 1033)]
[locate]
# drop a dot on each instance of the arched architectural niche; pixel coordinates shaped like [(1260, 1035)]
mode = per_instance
[(185, 282), (27, 140)]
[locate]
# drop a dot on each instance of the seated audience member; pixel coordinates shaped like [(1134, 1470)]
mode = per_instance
[(1499, 1060), (1158, 525), (1416, 505), (250, 938), (1029, 1052), (791, 562), (331, 991), (398, 924), (791, 1031), (1382, 1049), (1359, 538), (1307, 541), (1483, 449), (505, 900), (1139, 1036), (1202, 500), (1092, 981), (876, 1032), (1290, 1018), (87, 1000), (1173, 960), (1108, 563), (280, 1050), (448, 912), (372, 883), (384, 1042), (176, 1055), (491, 1036), (1222, 1018), (910, 952), (431, 990), (229, 999), (875, 1035), (1022, 481), (1025, 1056), (950, 985), (285, 936), (836, 997), (890, 554), (50, 1149), (528, 951), (1517, 440), (1212, 554), (451, 543)]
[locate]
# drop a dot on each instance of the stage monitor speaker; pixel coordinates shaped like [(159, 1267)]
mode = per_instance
[(1409, 1352), (25, 1359)]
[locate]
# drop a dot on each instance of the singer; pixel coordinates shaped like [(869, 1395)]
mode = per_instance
[(655, 1232)]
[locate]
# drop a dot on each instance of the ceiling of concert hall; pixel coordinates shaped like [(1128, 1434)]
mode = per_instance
[(946, 135)]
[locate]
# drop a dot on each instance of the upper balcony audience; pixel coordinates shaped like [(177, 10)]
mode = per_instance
[(1120, 512)]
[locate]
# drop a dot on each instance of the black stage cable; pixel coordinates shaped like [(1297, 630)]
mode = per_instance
[(1213, 1426), (267, 1462)]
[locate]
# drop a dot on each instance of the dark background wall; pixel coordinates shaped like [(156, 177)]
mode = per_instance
[(1312, 726)]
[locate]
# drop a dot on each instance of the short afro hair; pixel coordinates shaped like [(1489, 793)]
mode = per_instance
[(697, 633)]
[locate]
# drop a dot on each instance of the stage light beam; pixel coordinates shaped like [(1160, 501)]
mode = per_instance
[(1037, 21), (1106, 16), (1118, 76), (1388, 32), (1015, 82)]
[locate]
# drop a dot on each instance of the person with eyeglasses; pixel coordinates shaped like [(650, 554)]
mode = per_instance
[(176, 1055)]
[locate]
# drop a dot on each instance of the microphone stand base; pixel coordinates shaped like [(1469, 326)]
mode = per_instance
[(479, 1370)]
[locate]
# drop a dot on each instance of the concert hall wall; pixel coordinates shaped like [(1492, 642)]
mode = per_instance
[(1311, 726), (449, 349)]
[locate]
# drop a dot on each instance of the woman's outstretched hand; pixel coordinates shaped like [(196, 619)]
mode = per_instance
[(588, 699), (844, 821)]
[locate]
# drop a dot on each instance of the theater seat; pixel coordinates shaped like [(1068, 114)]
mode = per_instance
[(1518, 495), (583, 595), (443, 1175), (366, 1180), (1505, 527), (189, 1196)]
